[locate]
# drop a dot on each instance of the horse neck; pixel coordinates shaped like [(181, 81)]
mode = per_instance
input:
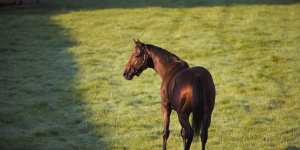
[(163, 64)]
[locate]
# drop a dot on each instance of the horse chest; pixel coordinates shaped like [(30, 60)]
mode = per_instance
[(164, 95)]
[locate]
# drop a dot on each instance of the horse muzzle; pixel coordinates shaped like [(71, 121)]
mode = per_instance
[(128, 74)]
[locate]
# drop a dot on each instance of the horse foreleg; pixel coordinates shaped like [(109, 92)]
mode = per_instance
[(166, 111)]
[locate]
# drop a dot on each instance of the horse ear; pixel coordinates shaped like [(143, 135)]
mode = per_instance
[(135, 41)]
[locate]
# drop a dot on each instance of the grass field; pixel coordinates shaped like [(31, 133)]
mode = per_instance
[(61, 63)]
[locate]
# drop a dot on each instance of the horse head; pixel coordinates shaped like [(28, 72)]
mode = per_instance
[(139, 60)]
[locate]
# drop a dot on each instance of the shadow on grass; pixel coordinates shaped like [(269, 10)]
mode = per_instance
[(293, 148), (39, 107), (102, 4), (68, 5)]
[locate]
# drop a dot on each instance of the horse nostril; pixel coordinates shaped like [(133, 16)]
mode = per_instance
[(124, 74)]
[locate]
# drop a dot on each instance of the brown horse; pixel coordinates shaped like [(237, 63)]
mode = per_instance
[(185, 90)]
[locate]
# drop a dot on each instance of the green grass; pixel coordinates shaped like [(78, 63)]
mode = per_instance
[(61, 84)]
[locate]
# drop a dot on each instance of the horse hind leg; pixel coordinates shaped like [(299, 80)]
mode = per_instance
[(204, 129), (187, 132), (184, 137)]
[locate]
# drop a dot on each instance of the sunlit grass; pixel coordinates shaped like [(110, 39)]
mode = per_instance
[(252, 52)]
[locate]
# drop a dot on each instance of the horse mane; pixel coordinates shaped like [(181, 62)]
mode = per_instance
[(166, 54)]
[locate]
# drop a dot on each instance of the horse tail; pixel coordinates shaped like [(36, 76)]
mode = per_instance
[(198, 101)]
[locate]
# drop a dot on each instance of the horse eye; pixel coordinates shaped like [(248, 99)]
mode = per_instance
[(137, 55)]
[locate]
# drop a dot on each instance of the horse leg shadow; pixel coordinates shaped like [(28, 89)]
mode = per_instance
[(293, 148)]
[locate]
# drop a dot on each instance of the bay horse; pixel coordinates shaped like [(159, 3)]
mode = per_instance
[(185, 90)]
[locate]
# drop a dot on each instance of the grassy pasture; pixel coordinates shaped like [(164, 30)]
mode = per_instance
[(61, 63)]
